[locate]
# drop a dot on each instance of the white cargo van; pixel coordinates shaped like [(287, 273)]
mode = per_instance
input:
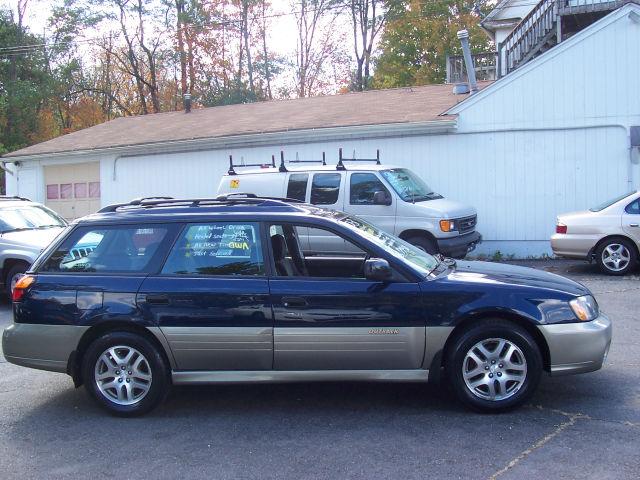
[(392, 198)]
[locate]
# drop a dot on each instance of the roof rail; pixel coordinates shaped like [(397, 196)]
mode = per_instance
[(14, 197), (228, 199), (283, 168), (341, 159), (232, 167)]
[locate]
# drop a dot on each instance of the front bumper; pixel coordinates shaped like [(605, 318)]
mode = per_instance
[(578, 347), (458, 247), (45, 347)]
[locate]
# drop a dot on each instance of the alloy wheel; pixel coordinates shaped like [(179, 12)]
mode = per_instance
[(616, 257), (494, 369), (122, 374)]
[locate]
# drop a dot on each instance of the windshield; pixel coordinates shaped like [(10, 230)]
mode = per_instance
[(28, 217), (608, 203), (419, 259), (408, 185)]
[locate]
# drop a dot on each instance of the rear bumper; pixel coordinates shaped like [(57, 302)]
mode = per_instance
[(573, 246), (578, 347), (45, 347), (459, 246)]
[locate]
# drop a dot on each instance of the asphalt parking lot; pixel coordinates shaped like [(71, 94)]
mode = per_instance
[(585, 426)]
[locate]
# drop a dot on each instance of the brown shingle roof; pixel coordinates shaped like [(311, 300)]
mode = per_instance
[(400, 105)]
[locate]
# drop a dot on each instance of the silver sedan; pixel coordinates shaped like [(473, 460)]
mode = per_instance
[(608, 233)]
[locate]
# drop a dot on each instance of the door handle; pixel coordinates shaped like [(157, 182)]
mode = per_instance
[(293, 302), (633, 224), (157, 299)]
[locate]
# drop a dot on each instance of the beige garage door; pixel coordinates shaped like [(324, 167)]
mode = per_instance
[(73, 190)]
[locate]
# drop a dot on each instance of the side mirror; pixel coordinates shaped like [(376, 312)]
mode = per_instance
[(377, 269), (381, 198)]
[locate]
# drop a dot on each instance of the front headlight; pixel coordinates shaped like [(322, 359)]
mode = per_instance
[(585, 308), (447, 225)]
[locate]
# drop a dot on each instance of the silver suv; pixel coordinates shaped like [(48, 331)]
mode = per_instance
[(26, 228)]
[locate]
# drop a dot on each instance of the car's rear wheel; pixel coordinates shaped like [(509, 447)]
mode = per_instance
[(616, 256), (125, 373), (494, 366)]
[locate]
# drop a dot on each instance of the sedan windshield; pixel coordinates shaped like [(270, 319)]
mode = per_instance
[(419, 259), (408, 185), (608, 203), (13, 219)]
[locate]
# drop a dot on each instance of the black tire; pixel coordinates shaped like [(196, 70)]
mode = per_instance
[(424, 243), (16, 269), (616, 242), (484, 331), (159, 382)]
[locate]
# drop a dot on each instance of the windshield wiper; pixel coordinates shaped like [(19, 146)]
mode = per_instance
[(48, 226)]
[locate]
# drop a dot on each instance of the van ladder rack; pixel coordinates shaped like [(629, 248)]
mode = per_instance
[(232, 167), (283, 168), (341, 159)]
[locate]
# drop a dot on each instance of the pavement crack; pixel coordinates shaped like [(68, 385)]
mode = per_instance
[(571, 419)]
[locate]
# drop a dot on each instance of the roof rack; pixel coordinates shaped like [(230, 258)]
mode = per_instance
[(341, 159), (228, 199), (232, 167), (283, 168), (13, 197)]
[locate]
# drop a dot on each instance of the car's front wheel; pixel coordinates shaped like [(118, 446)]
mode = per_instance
[(423, 243), (494, 366), (616, 256), (125, 373)]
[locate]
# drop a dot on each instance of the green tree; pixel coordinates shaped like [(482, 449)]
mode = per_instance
[(420, 34), (24, 83)]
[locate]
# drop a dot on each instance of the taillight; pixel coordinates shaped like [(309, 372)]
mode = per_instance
[(560, 228), (21, 287)]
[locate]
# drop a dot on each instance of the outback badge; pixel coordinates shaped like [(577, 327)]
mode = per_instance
[(384, 331)]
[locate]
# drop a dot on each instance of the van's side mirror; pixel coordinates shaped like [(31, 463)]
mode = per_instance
[(377, 269), (381, 198)]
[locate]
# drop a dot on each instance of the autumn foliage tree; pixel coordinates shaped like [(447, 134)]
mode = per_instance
[(418, 36)]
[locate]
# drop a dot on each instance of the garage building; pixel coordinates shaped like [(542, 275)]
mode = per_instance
[(559, 133)]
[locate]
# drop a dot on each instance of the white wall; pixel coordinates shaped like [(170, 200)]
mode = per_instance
[(518, 181), (589, 79)]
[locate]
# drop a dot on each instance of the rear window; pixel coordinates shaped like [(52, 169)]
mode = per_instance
[(218, 248), (297, 188), (126, 249), (633, 208), (608, 203), (325, 188)]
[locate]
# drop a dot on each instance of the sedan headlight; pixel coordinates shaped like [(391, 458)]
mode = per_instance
[(585, 308)]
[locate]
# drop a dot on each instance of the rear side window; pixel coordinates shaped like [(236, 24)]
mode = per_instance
[(219, 248), (633, 208), (297, 188), (126, 249), (325, 188)]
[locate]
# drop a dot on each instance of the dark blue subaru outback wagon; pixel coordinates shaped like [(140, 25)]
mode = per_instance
[(157, 292)]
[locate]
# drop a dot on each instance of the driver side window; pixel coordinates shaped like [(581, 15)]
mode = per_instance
[(320, 258)]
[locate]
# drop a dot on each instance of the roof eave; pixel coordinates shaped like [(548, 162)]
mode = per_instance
[(445, 124)]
